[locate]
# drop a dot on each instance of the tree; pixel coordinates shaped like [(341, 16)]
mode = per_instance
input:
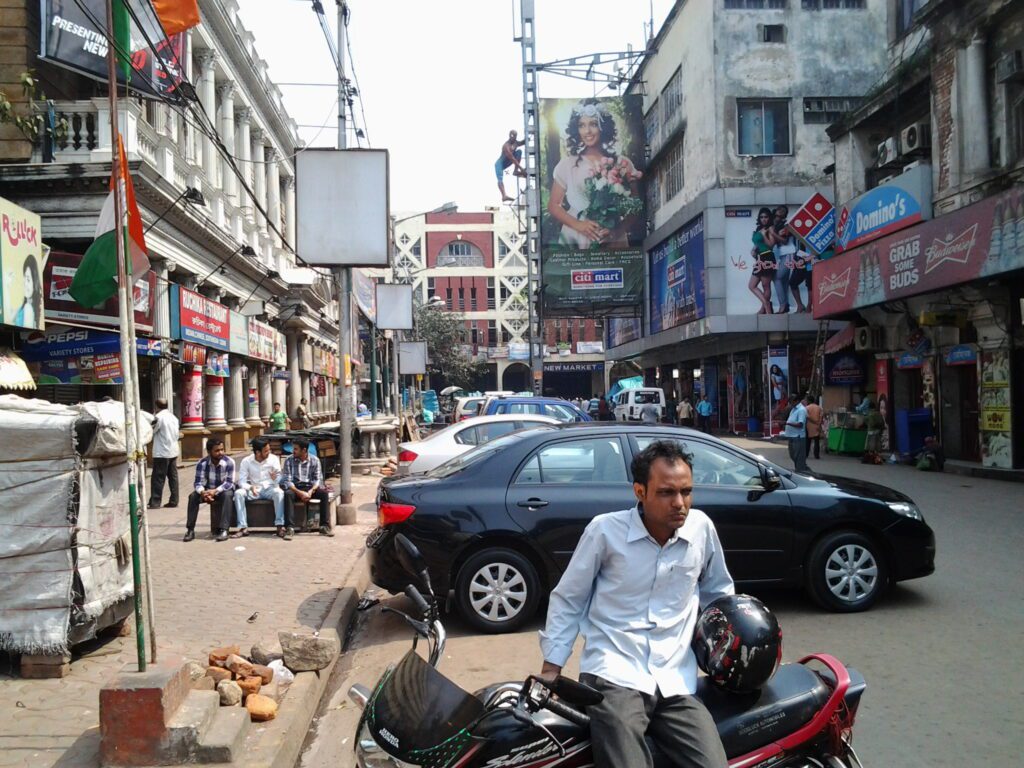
[(29, 115), (444, 333)]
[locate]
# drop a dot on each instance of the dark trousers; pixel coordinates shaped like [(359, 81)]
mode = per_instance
[(704, 423), (798, 453), (814, 442), (163, 469), (289, 503), (679, 725), (224, 499)]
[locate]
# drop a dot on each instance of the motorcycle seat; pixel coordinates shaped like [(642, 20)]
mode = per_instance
[(748, 721)]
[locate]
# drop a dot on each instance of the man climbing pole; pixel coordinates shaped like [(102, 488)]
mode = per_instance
[(510, 155)]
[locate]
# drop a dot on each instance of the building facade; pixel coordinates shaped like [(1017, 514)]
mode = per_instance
[(232, 320), (737, 97), (928, 171), (475, 263)]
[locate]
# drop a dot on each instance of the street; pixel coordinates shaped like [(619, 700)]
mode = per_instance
[(940, 654)]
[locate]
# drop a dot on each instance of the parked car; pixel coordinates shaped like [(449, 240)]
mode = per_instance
[(629, 402), (466, 407), (422, 455), (555, 407), (499, 524)]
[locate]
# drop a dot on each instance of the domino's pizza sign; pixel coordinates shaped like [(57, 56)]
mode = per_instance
[(592, 279), (889, 207), (815, 223)]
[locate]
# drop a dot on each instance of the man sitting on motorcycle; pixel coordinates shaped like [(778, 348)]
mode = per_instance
[(634, 588)]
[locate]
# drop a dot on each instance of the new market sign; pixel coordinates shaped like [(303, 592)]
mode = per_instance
[(888, 208), (200, 320)]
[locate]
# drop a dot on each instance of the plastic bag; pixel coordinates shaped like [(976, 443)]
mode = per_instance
[(282, 674)]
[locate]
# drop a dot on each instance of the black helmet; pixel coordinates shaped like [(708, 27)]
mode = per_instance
[(738, 643)]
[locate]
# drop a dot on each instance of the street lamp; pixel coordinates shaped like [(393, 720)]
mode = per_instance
[(245, 250), (190, 195)]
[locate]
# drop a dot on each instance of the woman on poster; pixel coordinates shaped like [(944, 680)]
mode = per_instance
[(763, 253), (593, 169), (779, 388), (32, 307)]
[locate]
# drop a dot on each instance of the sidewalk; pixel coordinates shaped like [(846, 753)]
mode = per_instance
[(205, 594)]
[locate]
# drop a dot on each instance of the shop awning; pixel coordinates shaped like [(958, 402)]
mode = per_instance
[(841, 340), (13, 372)]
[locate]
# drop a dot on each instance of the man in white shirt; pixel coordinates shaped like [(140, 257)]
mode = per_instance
[(634, 588), (258, 478), (165, 456)]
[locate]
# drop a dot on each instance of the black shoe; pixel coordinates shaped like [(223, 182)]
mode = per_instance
[(288, 533), (152, 504), (189, 535), (170, 504), (325, 531), (222, 535)]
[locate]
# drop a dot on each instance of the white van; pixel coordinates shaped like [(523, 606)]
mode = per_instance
[(629, 402)]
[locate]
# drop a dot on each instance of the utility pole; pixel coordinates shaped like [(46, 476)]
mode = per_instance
[(343, 281)]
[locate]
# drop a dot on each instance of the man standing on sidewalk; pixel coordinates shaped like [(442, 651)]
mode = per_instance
[(258, 478), (814, 414), (278, 419), (704, 415), (302, 480), (796, 433), (214, 485), (165, 456)]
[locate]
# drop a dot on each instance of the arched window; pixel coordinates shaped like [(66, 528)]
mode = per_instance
[(459, 253)]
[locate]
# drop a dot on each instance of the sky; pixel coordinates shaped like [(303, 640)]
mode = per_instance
[(441, 81)]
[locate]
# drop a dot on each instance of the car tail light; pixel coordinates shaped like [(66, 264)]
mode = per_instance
[(407, 457), (389, 513)]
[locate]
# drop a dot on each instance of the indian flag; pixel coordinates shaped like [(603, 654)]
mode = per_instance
[(95, 280)]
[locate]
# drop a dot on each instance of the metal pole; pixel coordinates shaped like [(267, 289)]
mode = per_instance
[(531, 194), (396, 379), (127, 343), (373, 371)]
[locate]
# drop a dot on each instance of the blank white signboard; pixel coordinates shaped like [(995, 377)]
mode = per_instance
[(342, 207), (394, 306), (412, 357)]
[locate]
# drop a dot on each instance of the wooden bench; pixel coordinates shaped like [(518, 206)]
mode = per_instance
[(260, 514)]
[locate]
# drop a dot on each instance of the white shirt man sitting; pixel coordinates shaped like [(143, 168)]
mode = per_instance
[(258, 479)]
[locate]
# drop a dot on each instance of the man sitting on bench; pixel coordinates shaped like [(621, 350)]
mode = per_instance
[(258, 478), (302, 480), (214, 485)]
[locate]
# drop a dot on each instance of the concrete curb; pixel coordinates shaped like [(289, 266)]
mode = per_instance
[(277, 744)]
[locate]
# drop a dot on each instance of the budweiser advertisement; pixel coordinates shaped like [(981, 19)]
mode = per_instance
[(981, 240)]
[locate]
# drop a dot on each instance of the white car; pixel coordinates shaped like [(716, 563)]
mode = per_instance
[(447, 443)]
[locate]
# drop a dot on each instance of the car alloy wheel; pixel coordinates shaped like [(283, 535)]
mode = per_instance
[(846, 572), (498, 590)]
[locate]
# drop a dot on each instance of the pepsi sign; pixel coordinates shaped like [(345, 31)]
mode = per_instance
[(590, 279)]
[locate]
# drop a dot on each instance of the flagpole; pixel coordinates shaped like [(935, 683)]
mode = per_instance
[(125, 308)]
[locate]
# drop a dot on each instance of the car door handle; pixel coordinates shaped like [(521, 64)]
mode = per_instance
[(532, 504)]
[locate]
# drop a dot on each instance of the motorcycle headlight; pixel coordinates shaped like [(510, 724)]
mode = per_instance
[(369, 753), (906, 509)]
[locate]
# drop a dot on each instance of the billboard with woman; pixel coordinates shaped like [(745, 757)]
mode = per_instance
[(592, 202), (21, 263)]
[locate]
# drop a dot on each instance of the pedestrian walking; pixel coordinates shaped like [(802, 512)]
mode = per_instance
[(704, 411), (278, 419), (214, 485), (796, 433), (603, 411), (166, 449), (649, 413), (814, 415), (685, 412)]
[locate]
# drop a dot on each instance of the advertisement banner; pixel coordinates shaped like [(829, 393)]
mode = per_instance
[(21, 264), (844, 369), (589, 347), (592, 202), (766, 272), (889, 207), (977, 241), (60, 342), (280, 350), (199, 319), (74, 36), (58, 304), (815, 223), (217, 365), (238, 333), (365, 292), (677, 278), (518, 351), (107, 366), (996, 421), (961, 354), (777, 391), (622, 330), (262, 338)]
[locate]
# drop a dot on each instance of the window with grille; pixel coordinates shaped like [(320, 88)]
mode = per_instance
[(490, 293), (492, 333), (763, 126), (755, 4), (404, 239), (460, 254), (825, 111), (653, 192), (773, 33), (416, 248), (502, 248), (472, 299), (674, 170), (672, 105), (504, 292), (430, 286), (832, 5), (462, 299), (448, 297)]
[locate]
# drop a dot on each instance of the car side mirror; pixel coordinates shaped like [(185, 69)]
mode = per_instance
[(770, 478)]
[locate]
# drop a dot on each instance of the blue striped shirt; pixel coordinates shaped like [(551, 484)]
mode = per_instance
[(219, 476)]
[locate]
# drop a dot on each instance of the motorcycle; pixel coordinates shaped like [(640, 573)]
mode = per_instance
[(415, 716)]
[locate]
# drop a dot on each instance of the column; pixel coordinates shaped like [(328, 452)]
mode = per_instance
[(975, 121), (306, 393), (236, 394), (208, 99), (192, 400), (215, 403), (259, 158), (289, 210), (295, 379), (163, 381), (244, 144), (227, 133), (280, 392), (274, 193), (266, 403)]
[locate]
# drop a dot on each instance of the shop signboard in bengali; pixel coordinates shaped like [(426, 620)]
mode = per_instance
[(200, 320), (961, 354), (844, 369), (996, 414), (909, 361), (238, 333), (21, 267), (815, 223), (582, 186), (979, 240), (677, 277), (262, 339), (59, 306), (889, 207)]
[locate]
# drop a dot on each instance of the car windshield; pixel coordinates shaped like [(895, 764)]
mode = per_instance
[(641, 398), (480, 453)]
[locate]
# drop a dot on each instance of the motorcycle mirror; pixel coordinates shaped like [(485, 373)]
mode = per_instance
[(575, 692), (412, 561)]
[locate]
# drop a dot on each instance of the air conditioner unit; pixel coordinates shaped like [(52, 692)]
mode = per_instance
[(1010, 67), (916, 137), (868, 339), (886, 152)]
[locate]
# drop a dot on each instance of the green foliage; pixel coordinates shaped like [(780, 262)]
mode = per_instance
[(29, 116), (444, 333)]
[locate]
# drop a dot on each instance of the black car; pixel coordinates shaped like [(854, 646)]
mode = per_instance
[(499, 524)]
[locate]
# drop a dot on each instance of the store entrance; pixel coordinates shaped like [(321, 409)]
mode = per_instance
[(960, 412)]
